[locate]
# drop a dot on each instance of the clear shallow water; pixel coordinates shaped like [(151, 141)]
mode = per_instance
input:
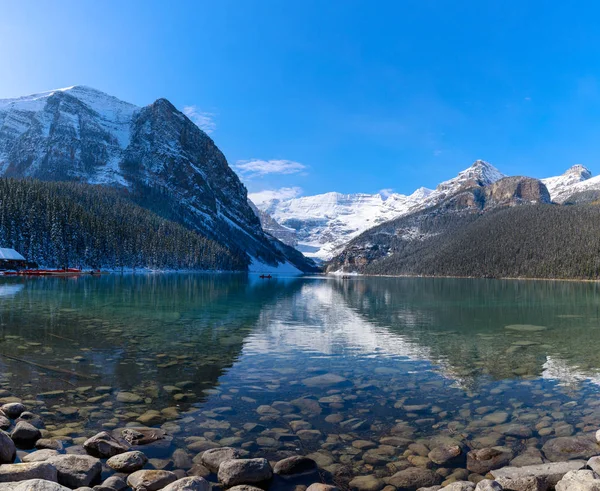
[(317, 363)]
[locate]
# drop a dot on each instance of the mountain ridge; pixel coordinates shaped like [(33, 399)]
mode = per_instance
[(164, 161)]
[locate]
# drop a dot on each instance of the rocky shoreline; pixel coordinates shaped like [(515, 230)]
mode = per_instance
[(118, 460)]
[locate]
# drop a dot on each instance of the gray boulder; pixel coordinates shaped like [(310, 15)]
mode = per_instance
[(295, 465), (484, 460), (8, 451), (189, 484), (76, 471), (39, 456), (150, 480), (113, 483), (25, 435), (584, 480), (104, 445), (4, 422), (547, 474), (414, 478), (38, 485), (244, 471), (127, 462), (570, 448), (213, 457), (488, 485), (460, 486), (13, 409), (24, 472), (316, 487)]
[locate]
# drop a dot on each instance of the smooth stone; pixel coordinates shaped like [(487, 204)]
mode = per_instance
[(366, 483), (127, 462), (531, 456), (4, 423), (484, 460), (213, 458), (525, 328), (244, 471), (594, 464), (496, 418), (13, 409), (308, 405), (445, 454), (413, 478), (324, 380), (569, 448), (189, 484), (583, 480), (129, 398), (103, 445), (24, 472), (114, 483), (150, 480), (141, 436), (548, 474), (39, 456), (319, 487), (182, 459), (8, 451), (460, 486), (294, 465), (75, 471), (38, 485), (245, 487), (25, 434), (488, 485)]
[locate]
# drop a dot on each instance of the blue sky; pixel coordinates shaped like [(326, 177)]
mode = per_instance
[(349, 96)]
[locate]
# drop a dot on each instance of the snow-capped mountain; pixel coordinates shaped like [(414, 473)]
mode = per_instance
[(576, 179), (324, 223), (160, 159)]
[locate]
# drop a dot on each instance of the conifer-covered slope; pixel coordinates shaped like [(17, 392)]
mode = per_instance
[(161, 158), (507, 229), (67, 224)]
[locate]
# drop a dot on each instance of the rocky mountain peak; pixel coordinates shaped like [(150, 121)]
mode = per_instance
[(580, 171)]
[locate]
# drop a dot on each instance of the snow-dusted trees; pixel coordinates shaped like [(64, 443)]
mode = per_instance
[(70, 224)]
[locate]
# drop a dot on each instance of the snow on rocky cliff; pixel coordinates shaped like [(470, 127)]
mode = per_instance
[(575, 179), (325, 222), (164, 161)]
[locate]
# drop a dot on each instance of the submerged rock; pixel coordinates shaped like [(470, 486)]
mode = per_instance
[(484, 460), (414, 478), (39, 456), (570, 447), (295, 465), (13, 409)]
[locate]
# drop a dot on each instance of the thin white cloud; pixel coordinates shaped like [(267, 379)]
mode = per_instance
[(202, 119), (386, 193), (258, 168), (266, 195)]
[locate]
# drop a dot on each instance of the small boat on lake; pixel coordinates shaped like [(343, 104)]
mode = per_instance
[(265, 276)]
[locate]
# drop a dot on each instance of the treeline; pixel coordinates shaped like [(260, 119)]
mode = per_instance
[(539, 241), (65, 224)]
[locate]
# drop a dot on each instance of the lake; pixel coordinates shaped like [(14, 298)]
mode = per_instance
[(366, 375)]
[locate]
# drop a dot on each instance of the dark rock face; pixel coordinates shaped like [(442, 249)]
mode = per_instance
[(160, 159), (512, 191), (25, 435)]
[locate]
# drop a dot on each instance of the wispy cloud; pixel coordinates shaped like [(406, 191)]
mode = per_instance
[(266, 195), (258, 168), (203, 120)]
